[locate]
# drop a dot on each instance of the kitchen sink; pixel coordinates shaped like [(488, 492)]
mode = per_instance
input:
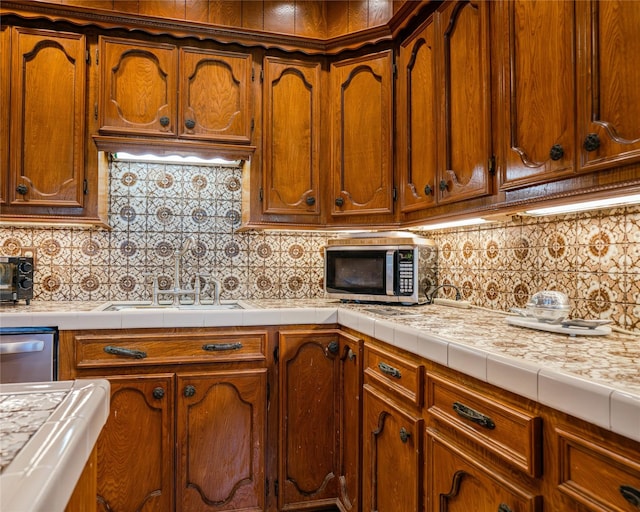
[(142, 306)]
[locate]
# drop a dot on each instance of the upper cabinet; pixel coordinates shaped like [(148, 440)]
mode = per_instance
[(160, 90), (44, 93), (559, 59), (444, 108), (291, 137), (362, 136), (608, 78)]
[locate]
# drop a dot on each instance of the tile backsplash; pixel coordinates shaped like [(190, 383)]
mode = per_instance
[(593, 257)]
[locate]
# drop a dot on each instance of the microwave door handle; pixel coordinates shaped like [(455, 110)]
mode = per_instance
[(22, 347), (390, 273)]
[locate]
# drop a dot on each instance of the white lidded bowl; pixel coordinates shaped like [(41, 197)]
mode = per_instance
[(548, 305)]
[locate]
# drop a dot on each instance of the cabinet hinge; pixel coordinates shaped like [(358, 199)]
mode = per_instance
[(87, 57), (394, 193), (252, 123), (268, 392), (261, 194), (97, 53), (262, 75), (276, 355), (394, 69), (85, 187), (266, 488), (275, 488), (95, 111), (492, 165)]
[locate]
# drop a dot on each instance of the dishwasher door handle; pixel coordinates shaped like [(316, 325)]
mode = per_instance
[(21, 347)]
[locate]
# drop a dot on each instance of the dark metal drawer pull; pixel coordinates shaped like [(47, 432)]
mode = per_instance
[(389, 370), (216, 347), (475, 416), (126, 352), (631, 494)]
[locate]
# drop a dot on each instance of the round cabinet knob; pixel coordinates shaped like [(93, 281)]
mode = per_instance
[(556, 152), (591, 142), (339, 201), (428, 190), (333, 347), (190, 124), (22, 189), (158, 393), (189, 391), (404, 435), (503, 507), (164, 121), (310, 201), (443, 185)]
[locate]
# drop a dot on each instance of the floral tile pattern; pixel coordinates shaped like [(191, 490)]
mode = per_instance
[(594, 257)]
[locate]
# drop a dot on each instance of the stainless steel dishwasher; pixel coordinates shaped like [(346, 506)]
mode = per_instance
[(28, 354)]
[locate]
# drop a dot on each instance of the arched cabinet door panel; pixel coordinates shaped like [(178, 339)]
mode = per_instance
[(361, 135), (48, 83), (608, 92), (291, 137)]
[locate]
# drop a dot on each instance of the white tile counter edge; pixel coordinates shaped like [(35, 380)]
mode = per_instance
[(611, 408), (43, 475)]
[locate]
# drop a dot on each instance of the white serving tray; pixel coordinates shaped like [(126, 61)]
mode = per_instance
[(532, 323)]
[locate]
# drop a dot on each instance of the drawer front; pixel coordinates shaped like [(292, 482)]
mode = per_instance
[(109, 350), (403, 376), (513, 435), (597, 477)]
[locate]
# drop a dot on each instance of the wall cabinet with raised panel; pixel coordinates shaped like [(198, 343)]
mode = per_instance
[(361, 179), (161, 89), (444, 148), (46, 172)]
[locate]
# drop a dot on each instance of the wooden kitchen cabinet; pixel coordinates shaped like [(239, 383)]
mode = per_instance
[(362, 138), (187, 427), (158, 89), (444, 108), (44, 87), (320, 385), (458, 482), (221, 432), (292, 138), (608, 96), (539, 107)]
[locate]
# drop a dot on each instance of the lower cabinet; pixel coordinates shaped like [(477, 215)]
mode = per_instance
[(392, 455), (460, 482), (320, 388)]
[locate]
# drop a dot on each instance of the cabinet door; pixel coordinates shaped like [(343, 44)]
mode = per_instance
[(215, 95), (221, 432), (608, 92), (458, 483), (392, 456), (465, 109), (350, 420), (135, 447), (361, 135), (538, 143), (308, 465), (5, 87), (417, 130), (48, 82), (138, 87), (291, 143)]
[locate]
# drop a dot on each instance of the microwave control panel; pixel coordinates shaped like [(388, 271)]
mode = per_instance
[(405, 260)]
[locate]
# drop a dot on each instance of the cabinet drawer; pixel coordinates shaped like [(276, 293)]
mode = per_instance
[(394, 372), (108, 350), (513, 435), (597, 477)]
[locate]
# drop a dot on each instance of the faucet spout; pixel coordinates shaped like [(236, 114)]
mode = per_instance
[(178, 256), (431, 294)]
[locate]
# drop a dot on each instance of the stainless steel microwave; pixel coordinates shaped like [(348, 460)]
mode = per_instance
[(393, 267)]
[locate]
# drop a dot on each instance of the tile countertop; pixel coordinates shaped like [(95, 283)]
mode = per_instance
[(47, 433), (596, 378)]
